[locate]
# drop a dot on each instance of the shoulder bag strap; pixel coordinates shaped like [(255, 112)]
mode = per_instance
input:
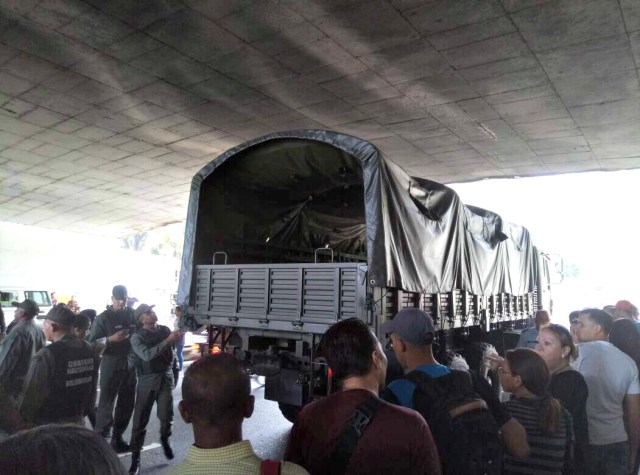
[(351, 434), (429, 387), (270, 467)]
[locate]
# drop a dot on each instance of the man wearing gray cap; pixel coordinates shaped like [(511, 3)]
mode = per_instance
[(117, 377), (412, 333), (17, 349), (153, 354), (60, 386), (465, 431)]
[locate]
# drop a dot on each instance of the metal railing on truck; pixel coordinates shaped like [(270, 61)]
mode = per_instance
[(459, 308), (262, 252), (284, 297)]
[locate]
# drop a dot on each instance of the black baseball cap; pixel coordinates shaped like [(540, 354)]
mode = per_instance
[(29, 306), (413, 325), (119, 292), (60, 314)]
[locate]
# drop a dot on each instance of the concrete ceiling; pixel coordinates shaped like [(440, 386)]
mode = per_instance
[(108, 108)]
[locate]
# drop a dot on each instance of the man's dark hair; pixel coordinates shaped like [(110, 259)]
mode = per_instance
[(90, 313), (83, 322), (599, 317), (215, 390), (623, 337), (347, 346), (574, 315), (58, 448)]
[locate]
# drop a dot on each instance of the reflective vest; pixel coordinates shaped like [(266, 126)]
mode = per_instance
[(114, 322)]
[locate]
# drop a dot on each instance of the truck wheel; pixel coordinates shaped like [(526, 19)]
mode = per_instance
[(289, 411)]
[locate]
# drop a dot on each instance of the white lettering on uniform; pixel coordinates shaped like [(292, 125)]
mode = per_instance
[(76, 367), (78, 381), (82, 362), (80, 369)]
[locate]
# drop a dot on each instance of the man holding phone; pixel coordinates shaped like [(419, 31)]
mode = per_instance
[(117, 377)]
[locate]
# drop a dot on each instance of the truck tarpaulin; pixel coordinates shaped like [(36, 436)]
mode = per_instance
[(310, 188)]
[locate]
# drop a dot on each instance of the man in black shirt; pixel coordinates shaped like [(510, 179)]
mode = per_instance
[(117, 378)]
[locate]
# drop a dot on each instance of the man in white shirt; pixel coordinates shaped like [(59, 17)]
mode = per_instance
[(613, 405)]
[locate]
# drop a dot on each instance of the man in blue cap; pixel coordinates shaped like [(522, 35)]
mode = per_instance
[(412, 333)]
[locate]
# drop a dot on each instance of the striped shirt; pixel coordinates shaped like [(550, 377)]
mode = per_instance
[(547, 451), (234, 459)]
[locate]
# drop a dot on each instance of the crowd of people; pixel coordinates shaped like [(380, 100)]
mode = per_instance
[(565, 400), (123, 351)]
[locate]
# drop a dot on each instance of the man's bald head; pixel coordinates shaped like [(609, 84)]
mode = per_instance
[(216, 390), (542, 319)]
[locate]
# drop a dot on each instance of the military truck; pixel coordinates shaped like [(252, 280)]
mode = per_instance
[(291, 232)]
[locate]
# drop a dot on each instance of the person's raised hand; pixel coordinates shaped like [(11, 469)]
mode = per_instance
[(494, 360), (175, 335)]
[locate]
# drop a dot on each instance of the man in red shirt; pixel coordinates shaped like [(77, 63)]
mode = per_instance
[(394, 440)]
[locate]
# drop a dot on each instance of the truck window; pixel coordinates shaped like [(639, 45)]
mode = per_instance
[(7, 297), (38, 296)]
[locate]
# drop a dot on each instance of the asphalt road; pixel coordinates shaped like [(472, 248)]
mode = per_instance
[(267, 430)]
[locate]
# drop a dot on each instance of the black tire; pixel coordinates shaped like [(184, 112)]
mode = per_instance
[(289, 411)]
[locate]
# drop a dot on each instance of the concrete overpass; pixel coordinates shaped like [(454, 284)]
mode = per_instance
[(107, 109)]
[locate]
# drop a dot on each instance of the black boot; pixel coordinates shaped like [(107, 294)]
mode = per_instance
[(135, 463), (176, 377), (119, 445), (168, 452)]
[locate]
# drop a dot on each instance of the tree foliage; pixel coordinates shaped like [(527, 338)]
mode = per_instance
[(166, 241)]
